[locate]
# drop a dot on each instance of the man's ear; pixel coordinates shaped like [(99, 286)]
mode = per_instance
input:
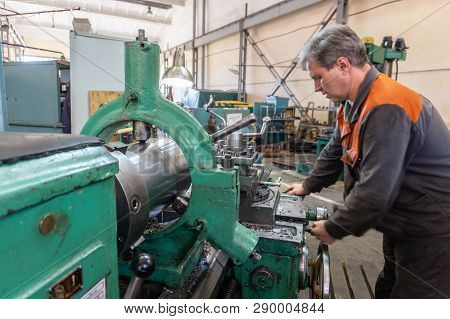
[(343, 64)]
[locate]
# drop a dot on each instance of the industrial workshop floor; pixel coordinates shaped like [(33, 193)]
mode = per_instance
[(355, 262)]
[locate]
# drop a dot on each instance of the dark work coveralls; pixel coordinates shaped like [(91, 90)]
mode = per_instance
[(395, 149)]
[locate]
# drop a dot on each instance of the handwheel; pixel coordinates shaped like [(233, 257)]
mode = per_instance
[(320, 280)]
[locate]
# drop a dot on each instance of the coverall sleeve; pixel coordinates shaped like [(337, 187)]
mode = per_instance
[(328, 166), (384, 142)]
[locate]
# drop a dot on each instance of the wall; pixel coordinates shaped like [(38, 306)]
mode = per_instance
[(97, 64), (427, 64), (423, 24)]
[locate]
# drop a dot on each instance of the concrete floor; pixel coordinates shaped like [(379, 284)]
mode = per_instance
[(351, 257)]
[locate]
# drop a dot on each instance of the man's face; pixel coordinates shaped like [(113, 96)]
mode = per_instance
[(333, 83)]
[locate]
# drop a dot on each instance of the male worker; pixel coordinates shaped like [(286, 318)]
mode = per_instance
[(395, 149)]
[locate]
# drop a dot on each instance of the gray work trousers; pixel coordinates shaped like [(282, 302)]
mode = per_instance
[(414, 270)]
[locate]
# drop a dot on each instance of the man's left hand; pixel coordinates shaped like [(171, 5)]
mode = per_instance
[(318, 230)]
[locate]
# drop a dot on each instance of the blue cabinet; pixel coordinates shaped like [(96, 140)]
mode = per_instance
[(33, 96)]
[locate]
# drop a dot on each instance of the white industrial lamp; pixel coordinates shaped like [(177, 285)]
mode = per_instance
[(178, 75)]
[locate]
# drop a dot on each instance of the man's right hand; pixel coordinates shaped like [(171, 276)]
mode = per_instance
[(296, 189)]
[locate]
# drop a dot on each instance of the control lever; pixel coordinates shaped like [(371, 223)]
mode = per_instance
[(234, 127), (142, 266), (216, 115), (277, 183), (266, 120)]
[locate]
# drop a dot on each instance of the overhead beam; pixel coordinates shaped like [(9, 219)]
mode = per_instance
[(88, 6), (180, 3), (273, 12)]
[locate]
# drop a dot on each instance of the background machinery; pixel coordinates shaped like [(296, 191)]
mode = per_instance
[(383, 56)]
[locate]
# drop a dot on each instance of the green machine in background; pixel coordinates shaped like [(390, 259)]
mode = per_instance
[(190, 216), (382, 56), (275, 108)]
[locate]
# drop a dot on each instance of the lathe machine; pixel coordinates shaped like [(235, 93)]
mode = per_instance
[(190, 216)]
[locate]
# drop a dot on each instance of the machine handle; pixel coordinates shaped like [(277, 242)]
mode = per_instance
[(276, 183), (266, 120), (234, 127), (142, 267), (320, 280)]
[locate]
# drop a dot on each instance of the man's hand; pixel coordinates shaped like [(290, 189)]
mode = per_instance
[(318, 230), (296, 189)]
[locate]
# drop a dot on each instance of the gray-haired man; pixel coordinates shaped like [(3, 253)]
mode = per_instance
[(395, 149)]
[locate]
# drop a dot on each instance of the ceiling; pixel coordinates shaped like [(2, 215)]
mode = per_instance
[(117, 18)]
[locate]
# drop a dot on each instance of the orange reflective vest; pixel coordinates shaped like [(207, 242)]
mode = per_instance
[(384, 91)]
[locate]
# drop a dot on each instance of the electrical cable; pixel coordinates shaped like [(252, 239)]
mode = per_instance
[(227, 50), (373, 8), (424, 18)]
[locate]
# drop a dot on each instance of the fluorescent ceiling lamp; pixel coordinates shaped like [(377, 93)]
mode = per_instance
[(178, 75)]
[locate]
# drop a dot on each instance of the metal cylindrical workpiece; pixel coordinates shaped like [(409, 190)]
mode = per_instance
[(234, 140), (163, 168), (151, 176), (141, 131)]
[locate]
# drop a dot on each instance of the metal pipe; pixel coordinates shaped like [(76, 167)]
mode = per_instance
[(242, 62), (194, 31), (387, 67), (36, 12), (203, 49), (33, 48), (266, 120), (217, 115)]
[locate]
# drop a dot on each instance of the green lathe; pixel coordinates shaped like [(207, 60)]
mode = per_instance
[(190, 216)]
